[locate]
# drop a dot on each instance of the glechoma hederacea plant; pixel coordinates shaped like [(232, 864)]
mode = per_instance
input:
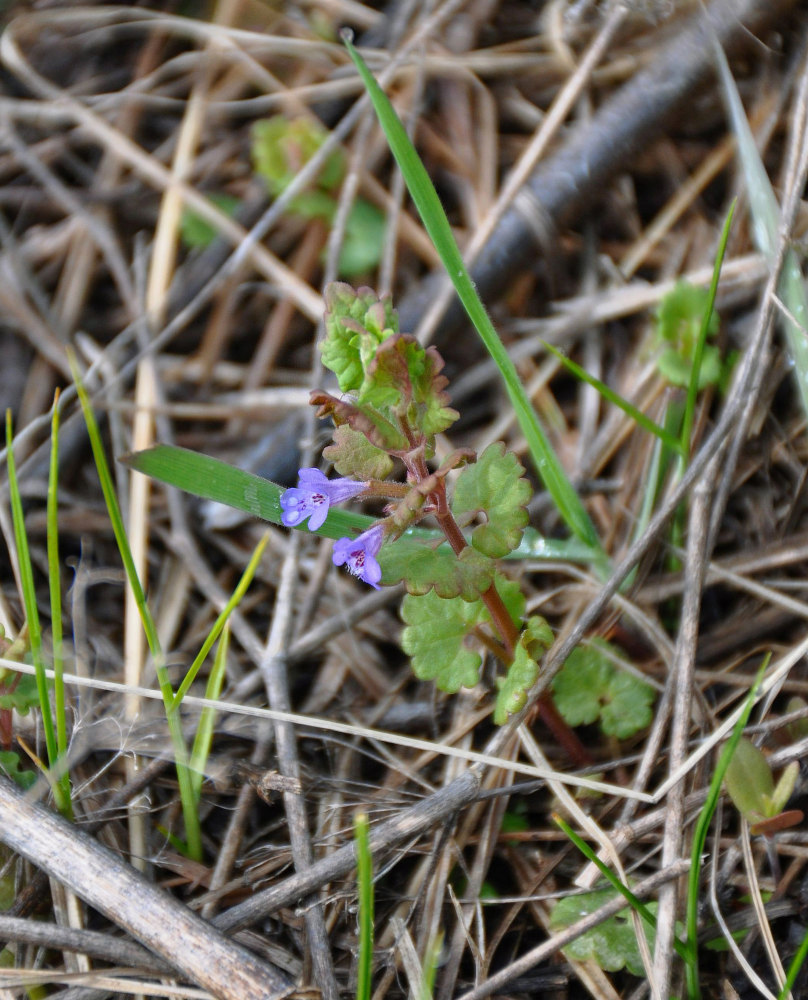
[(392, 404)]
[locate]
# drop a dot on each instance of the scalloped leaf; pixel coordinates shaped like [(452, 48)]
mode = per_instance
[(281, 147), (434, 639), (423, 567), (613, 943), (436, 636), (379, 431), (388, 382), (679, 319), (495, 486), (589, 687), (535, 640), (405, 379), (628, 706), (23, 697), (357, 321), (433, 414), (10, 766), (354, 456)]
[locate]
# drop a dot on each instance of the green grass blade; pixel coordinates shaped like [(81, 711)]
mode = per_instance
[(639, 418), (55, 590), (700, 838), (30, 606), (636, 904), (221, 621), (698, 354), (794, 968), (430, 966), (364, 878), (207, 719), (765, 213), (213, 479), (193, 832), (437, 226)]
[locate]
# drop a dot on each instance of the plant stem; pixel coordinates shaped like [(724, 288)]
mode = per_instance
[(509, 634)]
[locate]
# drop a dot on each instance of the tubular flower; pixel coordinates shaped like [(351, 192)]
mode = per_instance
[(312, 497), (359, 555)]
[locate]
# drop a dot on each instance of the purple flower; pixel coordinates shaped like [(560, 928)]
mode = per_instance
[(359, 554), (312, 497)]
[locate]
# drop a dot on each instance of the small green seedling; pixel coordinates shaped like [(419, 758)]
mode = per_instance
[(750, 784), (797, 730), (591, 688), (679, 318), (613, 943), (281, 147), (197, 233)]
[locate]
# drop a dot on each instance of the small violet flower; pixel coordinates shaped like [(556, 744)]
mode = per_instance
[(359, 554), (312, 497)]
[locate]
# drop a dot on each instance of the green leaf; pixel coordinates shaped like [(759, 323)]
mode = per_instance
[(197, 232), (354, 456), (388, 376), (680, 314), (438, 629), (612, 944), (282, 147), (379, 430), (10, 766), (434, 639), (578, 686), (535, 640), (680, 317), (423, 567), (677, 370), (784, 788), (356, 322), (23, 697), (627, 707), (405, 380), (749, 781), (495, 486), (512, 597), (433, 414), (365, 233), (590, 687)]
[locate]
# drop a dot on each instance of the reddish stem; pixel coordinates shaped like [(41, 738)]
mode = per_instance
[(509, 634)]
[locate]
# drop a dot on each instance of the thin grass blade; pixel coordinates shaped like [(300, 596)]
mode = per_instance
[(190, 814), (636, 904), (765, 214), (437, 226), (203, 738), (364, 878), (631, 411), (700, 837), (221, 621), (698, 354), (55, 591), (31, 610)]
